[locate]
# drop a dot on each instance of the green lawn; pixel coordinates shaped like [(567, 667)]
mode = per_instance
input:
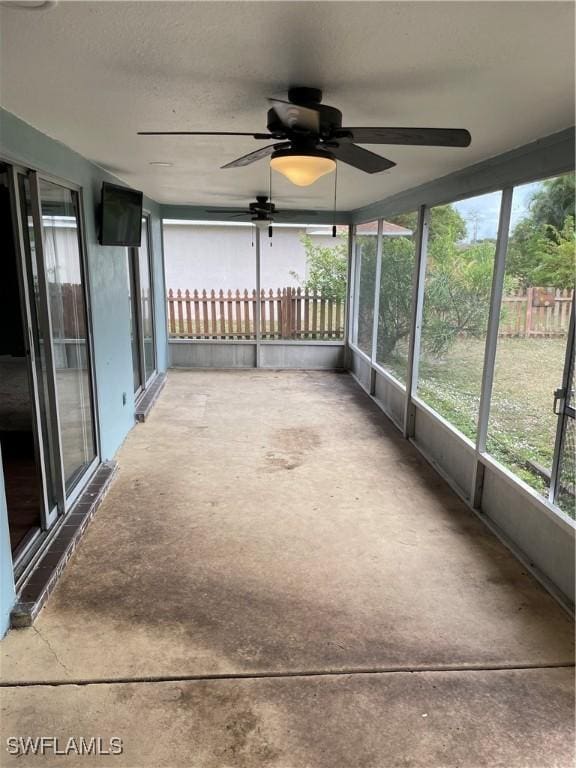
[(522, 426)]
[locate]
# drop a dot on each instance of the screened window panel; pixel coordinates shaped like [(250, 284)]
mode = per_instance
[(366, 241), (304, 282), (534, 320), (211, 280), (461, 251), (395, 300)]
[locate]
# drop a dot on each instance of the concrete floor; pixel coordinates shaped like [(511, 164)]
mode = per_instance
[(274, 530)]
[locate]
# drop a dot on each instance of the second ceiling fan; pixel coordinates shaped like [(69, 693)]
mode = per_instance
[(309, 138)]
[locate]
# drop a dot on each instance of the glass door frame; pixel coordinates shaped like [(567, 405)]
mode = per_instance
[(45, 324), (134, 256), (132, 265), (147, 217), (48, 514), (64, 500), (69, 497)]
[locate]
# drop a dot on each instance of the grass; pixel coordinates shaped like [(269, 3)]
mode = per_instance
[(522, 426)]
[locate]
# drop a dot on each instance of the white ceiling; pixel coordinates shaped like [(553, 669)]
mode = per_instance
[(93, 74)]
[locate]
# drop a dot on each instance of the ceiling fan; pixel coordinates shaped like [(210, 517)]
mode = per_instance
[(260, 210), (309, 139)]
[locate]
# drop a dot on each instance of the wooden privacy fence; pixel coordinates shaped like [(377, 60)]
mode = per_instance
[(291, 313), (288, 313), (536, 312), (67, 310)]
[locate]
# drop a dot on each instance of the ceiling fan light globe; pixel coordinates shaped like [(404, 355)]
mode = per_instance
[(302, 170)]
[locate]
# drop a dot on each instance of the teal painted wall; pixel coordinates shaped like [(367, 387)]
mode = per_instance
[(107, 279), (7, 594)]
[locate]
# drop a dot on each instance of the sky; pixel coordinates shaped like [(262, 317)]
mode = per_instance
[(482, 212)]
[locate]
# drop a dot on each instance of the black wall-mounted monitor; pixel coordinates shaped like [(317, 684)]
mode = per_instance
[(120, 216)]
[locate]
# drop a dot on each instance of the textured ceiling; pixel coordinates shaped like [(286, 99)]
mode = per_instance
[(92, 74)]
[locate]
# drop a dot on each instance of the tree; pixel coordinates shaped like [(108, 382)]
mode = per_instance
[(458, 282), (554, 201), (366, 272), (458, 289), (541, 249), (443, 219), (327, 268), (453, 292), (556, 251), (395, 293)]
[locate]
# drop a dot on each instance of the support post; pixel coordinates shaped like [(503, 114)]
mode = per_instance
[(491, 341), (353, 334), (376, 317), (350, 283), (418, 282), (258, 298)]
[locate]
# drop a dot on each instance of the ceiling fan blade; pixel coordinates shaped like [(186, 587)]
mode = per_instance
[(425, 137), (295, 117), (204, 133), (361, 158), (294, 214), (227, 211), (259, 154)]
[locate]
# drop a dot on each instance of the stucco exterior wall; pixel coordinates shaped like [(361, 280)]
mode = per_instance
[(200, 256)]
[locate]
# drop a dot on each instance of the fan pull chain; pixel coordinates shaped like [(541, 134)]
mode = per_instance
[(335, 185)]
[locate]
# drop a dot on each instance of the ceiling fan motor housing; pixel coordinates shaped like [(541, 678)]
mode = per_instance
[(262, 205), (330, 119), (299, 94)]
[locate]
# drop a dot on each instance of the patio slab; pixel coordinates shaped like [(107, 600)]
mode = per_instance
[(507, 719), (271, 522)]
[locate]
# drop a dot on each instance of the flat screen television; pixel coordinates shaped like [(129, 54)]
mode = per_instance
[(120, 216)]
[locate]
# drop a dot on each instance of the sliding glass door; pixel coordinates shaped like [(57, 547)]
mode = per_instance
[(40, 354), (146, 302), (134, 309), (68, 320), (53, 272), (141, 303)]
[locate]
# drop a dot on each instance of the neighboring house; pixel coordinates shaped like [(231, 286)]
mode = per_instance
[(217, 255)]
